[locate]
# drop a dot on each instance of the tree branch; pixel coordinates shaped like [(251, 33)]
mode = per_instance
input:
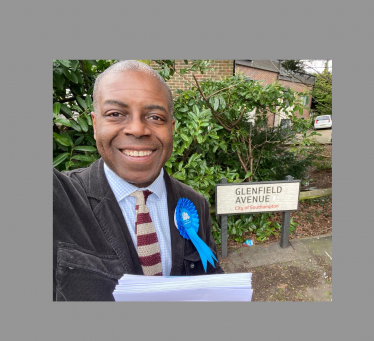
[(239, 119), (242, 162), (208, 104), (259, 158), (232, 86)]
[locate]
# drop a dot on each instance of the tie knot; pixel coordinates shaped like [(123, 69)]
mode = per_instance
[(141, 196)]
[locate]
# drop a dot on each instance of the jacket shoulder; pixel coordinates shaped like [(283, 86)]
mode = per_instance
[(92, 179)]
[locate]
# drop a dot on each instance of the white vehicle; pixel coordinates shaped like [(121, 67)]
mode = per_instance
[(324, 121)]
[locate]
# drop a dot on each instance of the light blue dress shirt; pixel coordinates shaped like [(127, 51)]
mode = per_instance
[(158, 210)]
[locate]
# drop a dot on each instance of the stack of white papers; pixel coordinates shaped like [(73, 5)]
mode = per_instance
[(224, 287)]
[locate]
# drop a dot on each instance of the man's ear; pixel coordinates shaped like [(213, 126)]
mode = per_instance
[(173, 125), (93, 117)]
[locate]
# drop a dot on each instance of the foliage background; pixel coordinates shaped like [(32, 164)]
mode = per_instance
[(213, 139)]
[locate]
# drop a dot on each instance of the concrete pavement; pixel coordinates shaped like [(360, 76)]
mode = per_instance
[(326, 135)]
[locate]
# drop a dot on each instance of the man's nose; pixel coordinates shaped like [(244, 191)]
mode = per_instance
[(137, 127)]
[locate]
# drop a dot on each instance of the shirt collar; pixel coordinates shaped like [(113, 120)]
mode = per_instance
[(121, 188)]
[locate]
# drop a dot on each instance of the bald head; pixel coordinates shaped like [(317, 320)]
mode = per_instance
[(130, 65)]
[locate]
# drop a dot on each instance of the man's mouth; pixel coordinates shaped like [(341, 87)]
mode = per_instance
[(137, 153)]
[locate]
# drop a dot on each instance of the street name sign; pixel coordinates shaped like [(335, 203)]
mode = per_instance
[(256, 197)]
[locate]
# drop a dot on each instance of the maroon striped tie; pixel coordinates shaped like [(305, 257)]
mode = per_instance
[(146, 237)]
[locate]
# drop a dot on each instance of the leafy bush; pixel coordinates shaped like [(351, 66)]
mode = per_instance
[(258, 223), (73, 143)]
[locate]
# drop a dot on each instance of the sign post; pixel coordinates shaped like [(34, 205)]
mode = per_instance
[(285, 223), (224, 229), (257, 197)]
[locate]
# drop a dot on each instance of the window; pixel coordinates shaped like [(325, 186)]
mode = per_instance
[(304, 100)]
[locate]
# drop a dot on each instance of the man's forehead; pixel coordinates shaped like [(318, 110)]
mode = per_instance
[(130, 77), (131, 80), (112, 85)]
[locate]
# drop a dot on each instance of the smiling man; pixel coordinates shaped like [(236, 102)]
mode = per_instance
[(117, 216)]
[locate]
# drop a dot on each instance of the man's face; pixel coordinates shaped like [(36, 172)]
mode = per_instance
[(133, 127)]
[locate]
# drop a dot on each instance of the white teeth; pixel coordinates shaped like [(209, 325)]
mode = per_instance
[(137, 153)]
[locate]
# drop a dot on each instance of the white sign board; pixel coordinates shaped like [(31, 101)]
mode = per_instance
[(257, 197)]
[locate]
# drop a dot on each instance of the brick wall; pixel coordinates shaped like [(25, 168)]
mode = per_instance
[(267, 76), (223, 69)]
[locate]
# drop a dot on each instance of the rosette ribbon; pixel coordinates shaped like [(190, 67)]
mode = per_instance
[(187, 221)]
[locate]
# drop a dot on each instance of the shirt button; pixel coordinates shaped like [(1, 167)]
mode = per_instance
[(192, 265)]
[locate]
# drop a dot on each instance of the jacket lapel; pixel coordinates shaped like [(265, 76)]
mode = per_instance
[(177, 241), (111, 220)]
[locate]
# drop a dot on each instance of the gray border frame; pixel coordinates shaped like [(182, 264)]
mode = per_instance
[(34, 34)]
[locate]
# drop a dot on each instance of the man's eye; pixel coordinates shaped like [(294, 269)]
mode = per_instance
[(154, 117), (114, 114)]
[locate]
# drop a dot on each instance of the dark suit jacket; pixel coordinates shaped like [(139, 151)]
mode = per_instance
[(92, 247)]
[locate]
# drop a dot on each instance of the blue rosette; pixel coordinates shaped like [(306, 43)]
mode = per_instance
[(187, 221)]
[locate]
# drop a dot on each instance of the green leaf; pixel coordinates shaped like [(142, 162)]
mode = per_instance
[(58, 81), (88, 118), (75, 125), (85, 148), (61, 139), (65, 134), (66, 109), (76, 108), (248, 175), (223, 102), (79, 76), (74, 64), (91, 139), (56, 108), (184, 137), (66, 73), (63, 121), (79, 140), (74, 78), (65, 63), (216, 103), (81, 157), (69, 164), (81, 102), (59, 158), (82, 123), (88, 101)]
